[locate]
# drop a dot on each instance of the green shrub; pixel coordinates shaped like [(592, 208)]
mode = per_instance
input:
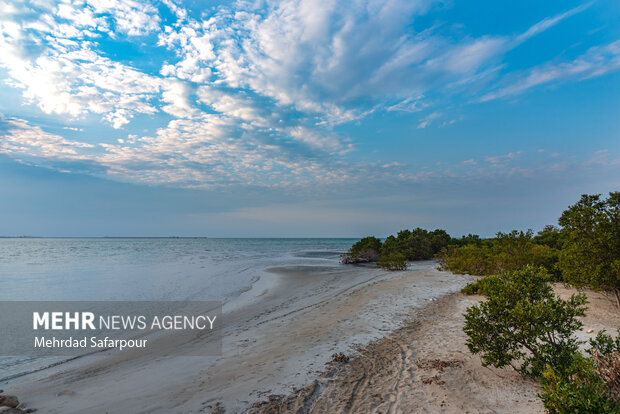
[(605, 344), (505, 253), (365, 250), (416, 244), (420, 244), (522, 321), (470, 289), (469, 259), (549, 236), (578, 390), (482, 286), (393, 261), (465, 240), (590, 254), (367, 243)]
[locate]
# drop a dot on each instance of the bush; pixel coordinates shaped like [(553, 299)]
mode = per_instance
[(393, 261), (367, 243), (605, 351), (465, 240), (547, 257), (420, 244), (549, 236), (605, 344), (505, 253), (522, 321), (469, 259), (482, 286), (416, 244), (364, 251), (590, 254), (579, 390)]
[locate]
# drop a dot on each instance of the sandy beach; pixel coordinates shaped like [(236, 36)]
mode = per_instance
[(401, 330), (425, 367)]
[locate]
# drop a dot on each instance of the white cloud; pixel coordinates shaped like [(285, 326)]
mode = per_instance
[(497, 161), (316, 139), (315, 56), (73, 80), (426, 121), (24, 139), (201, 152), (324, 57), (596, 61), (176, 95), (193, 44), (318, 57), (469, 57), (233, 104), (602, 157), (549, 22), (253, 89), (411, 104), (65, 74), (132, 17)]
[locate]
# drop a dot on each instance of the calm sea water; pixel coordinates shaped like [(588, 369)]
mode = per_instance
[(148, 268), (145, 269)]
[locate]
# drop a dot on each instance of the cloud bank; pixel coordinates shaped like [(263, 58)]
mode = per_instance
[(253, 93)]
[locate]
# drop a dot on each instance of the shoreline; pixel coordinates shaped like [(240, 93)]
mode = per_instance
[(401, 330), (314, 313)]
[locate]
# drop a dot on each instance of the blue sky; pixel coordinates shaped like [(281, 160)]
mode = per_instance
[(303, 118)]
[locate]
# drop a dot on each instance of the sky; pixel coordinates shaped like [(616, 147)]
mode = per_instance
[(304, 118)]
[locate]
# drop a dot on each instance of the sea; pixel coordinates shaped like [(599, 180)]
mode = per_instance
[(133, 269)]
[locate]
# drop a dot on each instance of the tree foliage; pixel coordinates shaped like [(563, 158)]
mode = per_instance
[(482, 286), (580, 390), (416, 244), (506, 252), (367, 243), (589, 384), (605, 344), (395, 251), (393, 261), (365, 250), (583, 252), (549, 236), (523, 323), (590, 254), (467, 240)]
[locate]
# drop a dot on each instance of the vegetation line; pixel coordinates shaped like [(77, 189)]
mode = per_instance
[(522, 324)]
